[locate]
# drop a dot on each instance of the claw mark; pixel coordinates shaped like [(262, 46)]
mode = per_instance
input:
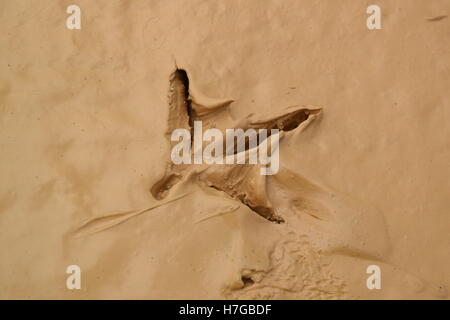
[(285, 122), (180, 108), (437, 18), (240, 182)]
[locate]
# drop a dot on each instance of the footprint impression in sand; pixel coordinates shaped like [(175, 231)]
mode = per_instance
[(289, 195)]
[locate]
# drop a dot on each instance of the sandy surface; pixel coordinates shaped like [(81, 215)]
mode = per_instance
[(83, 139)]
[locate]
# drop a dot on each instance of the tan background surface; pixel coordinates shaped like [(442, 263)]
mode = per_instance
[(82, 121)]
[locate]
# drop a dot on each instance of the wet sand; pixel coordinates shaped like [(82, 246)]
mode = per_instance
[(85, 171)]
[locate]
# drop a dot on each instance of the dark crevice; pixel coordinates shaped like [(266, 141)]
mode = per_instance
[(181, 74), (248, 281), (265, 212), (287, 122)]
